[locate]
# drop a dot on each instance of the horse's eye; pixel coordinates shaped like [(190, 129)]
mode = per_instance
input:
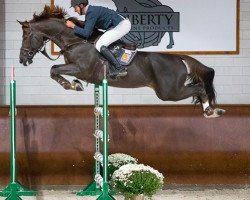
[(31, 53)]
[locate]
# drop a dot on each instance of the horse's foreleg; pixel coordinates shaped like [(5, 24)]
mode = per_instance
[(66, 69)]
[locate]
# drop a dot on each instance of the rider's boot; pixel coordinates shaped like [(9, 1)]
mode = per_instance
[(117, 70)]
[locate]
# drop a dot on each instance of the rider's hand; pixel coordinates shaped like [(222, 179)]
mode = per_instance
[(70, 24)]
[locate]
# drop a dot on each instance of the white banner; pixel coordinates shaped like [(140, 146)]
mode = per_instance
[(202, 26)]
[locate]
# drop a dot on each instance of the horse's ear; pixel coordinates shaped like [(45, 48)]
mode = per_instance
[(24, 24)]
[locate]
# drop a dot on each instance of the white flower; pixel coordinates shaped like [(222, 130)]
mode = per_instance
[(126, 170), (119, 159)]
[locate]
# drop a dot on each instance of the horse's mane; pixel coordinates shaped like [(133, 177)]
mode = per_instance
[(55, 12), (50, 11)]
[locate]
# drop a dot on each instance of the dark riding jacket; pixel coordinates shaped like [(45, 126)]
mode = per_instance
[(99, 17)]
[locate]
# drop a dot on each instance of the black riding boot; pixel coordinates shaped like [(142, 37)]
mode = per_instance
[(117, 70)]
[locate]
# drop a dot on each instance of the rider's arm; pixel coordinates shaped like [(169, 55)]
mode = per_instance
[(90, 22)]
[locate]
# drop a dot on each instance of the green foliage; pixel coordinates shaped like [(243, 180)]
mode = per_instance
[(131, 180)]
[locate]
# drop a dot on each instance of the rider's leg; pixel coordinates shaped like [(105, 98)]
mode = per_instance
[(117, 69), (108, 38)]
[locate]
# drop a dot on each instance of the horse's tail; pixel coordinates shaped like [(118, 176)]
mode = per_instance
[(201, 73)]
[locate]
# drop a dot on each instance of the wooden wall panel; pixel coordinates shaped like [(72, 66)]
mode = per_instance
[(55, 144)]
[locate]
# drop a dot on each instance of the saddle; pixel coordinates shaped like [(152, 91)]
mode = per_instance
[(124, 52)]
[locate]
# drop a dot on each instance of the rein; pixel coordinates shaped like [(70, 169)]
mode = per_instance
[(72, 44)]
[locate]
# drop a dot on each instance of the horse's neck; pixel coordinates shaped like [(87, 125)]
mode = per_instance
[(58, 33)]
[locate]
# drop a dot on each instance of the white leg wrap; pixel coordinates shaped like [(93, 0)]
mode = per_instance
[(205, 105)]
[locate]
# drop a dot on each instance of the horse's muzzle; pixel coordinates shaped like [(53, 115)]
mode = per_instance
[(24, 62), (26, 57)]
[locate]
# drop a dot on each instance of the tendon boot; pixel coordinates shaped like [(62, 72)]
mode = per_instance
[(116, 70)]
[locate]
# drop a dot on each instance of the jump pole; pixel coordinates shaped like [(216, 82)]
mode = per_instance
[(100, 184), (93, 189), (14, 189)]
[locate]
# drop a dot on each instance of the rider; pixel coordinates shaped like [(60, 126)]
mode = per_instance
[(115, 25)]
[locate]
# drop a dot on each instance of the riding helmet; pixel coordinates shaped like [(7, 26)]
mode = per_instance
[(78, 2)]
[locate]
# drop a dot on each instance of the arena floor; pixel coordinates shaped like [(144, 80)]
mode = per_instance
[(190, 193)]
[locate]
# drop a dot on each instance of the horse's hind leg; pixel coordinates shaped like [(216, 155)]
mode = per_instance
[(66, 69), (198, 91), (183, 92), (186, 91)]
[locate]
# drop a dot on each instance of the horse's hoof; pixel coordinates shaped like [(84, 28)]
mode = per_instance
[(77, 85), (213, 113), (219, 111), (66, 86)]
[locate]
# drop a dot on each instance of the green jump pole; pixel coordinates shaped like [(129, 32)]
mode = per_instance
[(100, 184), (105, 187), (14, 189), (93, 188)]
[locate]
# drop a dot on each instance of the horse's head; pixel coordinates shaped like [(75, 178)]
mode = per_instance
[(48, 25), (31, 44)]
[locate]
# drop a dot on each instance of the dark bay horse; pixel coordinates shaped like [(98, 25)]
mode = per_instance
[(172, 77)]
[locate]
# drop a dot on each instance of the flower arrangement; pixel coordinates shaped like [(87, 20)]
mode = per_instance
[(134, 179), (117, 160)]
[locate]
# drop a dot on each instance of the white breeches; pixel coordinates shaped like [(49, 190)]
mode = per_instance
[(114, 34)]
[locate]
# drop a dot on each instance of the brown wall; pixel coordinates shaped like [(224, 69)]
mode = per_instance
[(55, 144)]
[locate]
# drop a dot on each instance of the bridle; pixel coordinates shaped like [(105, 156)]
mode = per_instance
[(31, 53)]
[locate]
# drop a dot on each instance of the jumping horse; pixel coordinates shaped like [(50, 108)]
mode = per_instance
[(172, 77)]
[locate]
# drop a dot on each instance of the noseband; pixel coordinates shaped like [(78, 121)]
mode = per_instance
[(31, 53)]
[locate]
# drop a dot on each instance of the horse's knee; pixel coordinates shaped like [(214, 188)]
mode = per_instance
[(53, 70), (53, 73)]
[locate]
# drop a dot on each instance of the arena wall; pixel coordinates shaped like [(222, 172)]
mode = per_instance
[(35, 87), (54, 127), (55, 144)]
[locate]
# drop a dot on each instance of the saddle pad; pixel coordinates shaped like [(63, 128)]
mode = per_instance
[(126, 56)]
